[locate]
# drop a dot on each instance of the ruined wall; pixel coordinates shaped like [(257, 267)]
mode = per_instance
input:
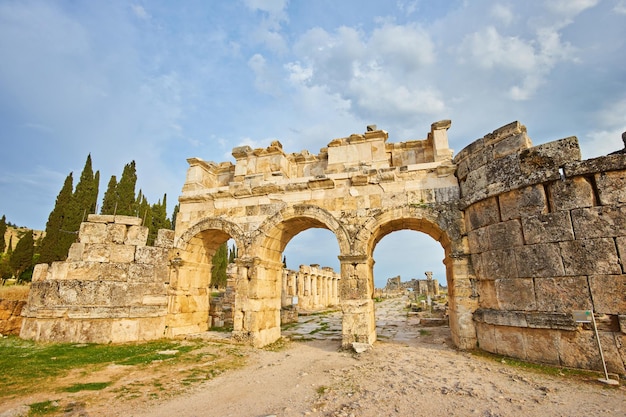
[(11, 316), (111, 288), (547, 234)]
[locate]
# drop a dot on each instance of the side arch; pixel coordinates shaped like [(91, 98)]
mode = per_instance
[(191, 261)]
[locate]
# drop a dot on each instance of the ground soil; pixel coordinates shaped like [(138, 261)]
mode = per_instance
[(410, 371)]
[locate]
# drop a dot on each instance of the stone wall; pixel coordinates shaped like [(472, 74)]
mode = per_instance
[(111, 288), (547, 233), (11, 316)]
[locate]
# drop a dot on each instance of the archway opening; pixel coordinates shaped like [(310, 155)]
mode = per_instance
[(410, 279), (310, 291), (198, 284)]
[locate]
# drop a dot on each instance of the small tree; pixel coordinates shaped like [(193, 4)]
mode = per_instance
[(3, 230), (22, 256), (52, 246), (218, 270)]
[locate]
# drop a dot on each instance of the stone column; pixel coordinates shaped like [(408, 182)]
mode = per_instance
[(260, 321), (461, 302), (356, 292)]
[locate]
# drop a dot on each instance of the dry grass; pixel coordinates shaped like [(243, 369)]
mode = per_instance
[(14, 292)]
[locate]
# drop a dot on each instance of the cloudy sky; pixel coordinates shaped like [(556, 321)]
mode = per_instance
[(159, 81)]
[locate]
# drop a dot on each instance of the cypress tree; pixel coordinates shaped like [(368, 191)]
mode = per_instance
[(22, 256), (110, 199), (174, 215), (126, 191), (218, 270), (3, 231), (82, 203), (6, 272), (52, 244)]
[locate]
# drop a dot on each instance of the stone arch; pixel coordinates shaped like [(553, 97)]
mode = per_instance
[(257, 315), (446, 227), (274, 234), (190, 274)]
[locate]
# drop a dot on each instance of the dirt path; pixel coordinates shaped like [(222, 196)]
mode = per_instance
[(411, 371)]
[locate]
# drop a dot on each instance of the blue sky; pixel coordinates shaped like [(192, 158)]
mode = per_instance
[(159, 81)]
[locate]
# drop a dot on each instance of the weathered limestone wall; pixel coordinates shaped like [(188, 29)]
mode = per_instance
[(111, 288), (11, 316), (547, 234)]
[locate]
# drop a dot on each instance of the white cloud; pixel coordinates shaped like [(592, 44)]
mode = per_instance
[(140, 12), (502, 13), (570, 8), (265, 79), (620, 7)]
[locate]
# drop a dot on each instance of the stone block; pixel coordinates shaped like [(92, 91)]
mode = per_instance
[(116, 233), (118, 272), (559, 321), (58, 270), (486, 337), (571, 193), (524, 202), (154, 300), (549, 156), (151, 255), (92, 233), (547, 228), (608, 293), (503, 174), (96, 252), (75, 252), (482, 213), (142, 273), (506, 131), (595, 222), (136, 235), (580, 350), (511, 144), (590, 256), (165, 239), (84, 271), (499, 264), (611, 187), (151, 328), (128, 220), (510, 341), (505, 235), (40, 272), (501, 317), (541, 260), (121, 253), (487, 294), (124, 331), (562, 294), (100, 218), (542, 346), (516, 294)]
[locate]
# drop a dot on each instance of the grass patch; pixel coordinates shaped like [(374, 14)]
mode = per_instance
[(14, 292), (27, 365), (541, 368), (322, 389), (89, 386), (324, 325), (43, 408), (424, 332)]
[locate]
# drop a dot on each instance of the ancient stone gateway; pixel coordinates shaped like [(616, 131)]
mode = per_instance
[(529, 234), (360, 188)]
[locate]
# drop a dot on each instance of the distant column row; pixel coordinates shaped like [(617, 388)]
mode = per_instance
[(311, 287)]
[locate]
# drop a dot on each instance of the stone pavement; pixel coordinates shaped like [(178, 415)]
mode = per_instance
[(393, 324)]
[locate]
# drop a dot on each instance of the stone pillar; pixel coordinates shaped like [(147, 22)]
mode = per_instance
[(259, 316), (284, 295), (357, 305), (462, 303)]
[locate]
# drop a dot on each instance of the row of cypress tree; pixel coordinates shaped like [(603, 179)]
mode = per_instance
[(71, 208)]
